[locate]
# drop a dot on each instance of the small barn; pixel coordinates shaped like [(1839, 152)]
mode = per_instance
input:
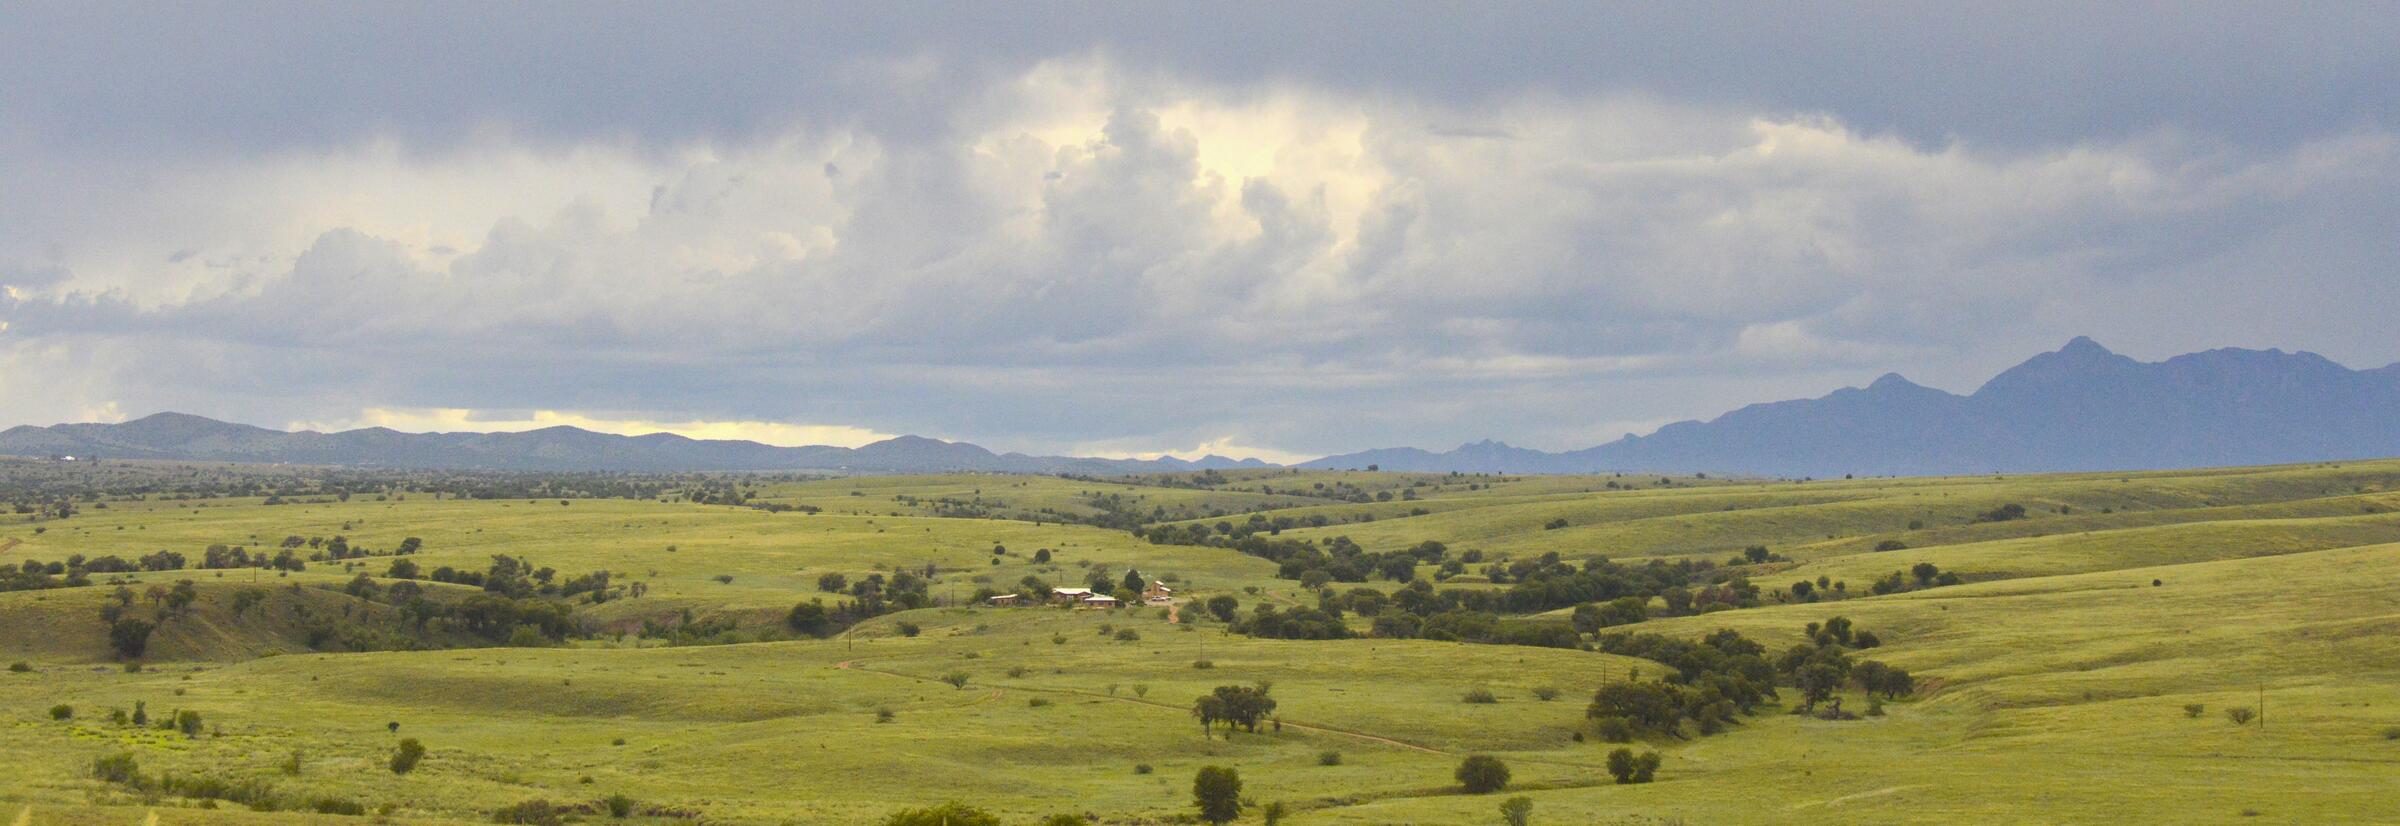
[(1006, 599)]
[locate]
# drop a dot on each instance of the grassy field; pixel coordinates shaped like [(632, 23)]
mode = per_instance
[(2052, 683)]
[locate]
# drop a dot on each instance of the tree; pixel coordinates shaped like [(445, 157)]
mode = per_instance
[(1217, 791), (1642, 706), (1482, 774), (1223, 607), (1621, 765), (947, 814), (2241, 715), (406, 757), (1645, 767), (1518, 811), (833, 583), (188, 722), (130, 637), (1924, 572), (1133, 580), (810, 618)]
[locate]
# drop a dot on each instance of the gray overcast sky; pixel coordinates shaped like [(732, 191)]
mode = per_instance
[(1261, 229)]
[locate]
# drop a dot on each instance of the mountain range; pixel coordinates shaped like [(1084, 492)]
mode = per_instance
[(188, 437), (2079, 408)]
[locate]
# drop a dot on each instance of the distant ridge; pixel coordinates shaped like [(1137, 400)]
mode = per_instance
[(2079, 408), (196, 438)]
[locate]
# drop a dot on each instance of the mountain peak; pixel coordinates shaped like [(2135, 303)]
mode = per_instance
[(2084, 346), (1892, 381)]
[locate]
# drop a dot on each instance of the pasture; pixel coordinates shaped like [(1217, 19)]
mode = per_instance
[(2052, 682)]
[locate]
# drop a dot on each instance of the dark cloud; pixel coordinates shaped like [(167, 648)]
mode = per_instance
[(1315, 227), (236, 76)]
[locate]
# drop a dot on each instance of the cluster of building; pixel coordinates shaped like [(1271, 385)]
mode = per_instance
[(1157, 594)]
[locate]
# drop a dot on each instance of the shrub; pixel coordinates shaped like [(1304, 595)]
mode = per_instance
[(947, 814), (1545, 693), (618, 805), (291, 764), (1128, 635), (884, 715), (956, 679), (1203, 664), (2392, 733), (1142, 768), (2241, 715), (410, 752), (909, 629), (116, 768), (533, 812), (2194, 710), (1517, 811), (339, 806), (188, 722), (1016, 671), (20, 666), (1482, 774), (1037, 702), (1892, 545), (1481, 696), (1330, 758), (62, 711)]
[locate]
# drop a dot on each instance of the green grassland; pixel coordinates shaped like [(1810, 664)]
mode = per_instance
[(2052, 684)]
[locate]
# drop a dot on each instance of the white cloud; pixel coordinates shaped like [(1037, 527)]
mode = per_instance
[(1087, 254), (455, 420)]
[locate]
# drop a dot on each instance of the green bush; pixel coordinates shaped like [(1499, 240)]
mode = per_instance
[(618, 805), (1330, 758), (116, 768), (1481, 696), (531, 813), (406, 757), (1482, 774), (62, 711), (947, 814)]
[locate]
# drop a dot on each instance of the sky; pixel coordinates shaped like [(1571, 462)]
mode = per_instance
[(1278, 230)]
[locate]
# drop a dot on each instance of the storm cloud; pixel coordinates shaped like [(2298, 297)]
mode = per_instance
[(1277, 230)]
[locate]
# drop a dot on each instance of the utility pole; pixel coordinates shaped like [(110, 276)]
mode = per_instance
[(2262, 706)]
